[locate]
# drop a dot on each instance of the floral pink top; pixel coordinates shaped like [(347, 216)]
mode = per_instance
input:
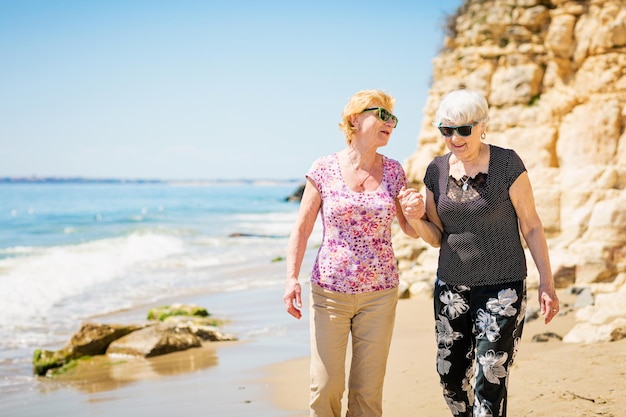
[(356, 255)]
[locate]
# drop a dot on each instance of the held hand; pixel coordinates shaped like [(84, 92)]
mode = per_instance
[(412, 203), (293, 297), (548, 303)]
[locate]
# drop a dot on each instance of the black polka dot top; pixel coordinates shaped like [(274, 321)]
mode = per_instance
[(481, 240)]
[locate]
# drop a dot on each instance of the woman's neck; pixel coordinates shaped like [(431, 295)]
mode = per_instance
[(361, 158)]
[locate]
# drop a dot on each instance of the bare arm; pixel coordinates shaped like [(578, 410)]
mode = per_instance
[(309, 208), (417, 216), (521, 194)]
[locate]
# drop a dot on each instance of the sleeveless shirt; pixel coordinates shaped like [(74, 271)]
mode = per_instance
[(481, 243), (356, 255)]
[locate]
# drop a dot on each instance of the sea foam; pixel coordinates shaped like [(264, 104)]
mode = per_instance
[(31, 286)]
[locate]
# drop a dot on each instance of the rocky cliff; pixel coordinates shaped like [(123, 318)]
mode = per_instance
[(554, 74)]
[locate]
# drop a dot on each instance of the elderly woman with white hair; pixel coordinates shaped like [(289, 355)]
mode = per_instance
[(479, 197)]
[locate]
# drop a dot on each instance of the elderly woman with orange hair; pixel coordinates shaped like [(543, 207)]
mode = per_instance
[(354, 283)]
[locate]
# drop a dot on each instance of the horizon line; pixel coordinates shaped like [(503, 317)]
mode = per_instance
[(81, 179)]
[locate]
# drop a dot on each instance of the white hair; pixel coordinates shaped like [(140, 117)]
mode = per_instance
[(462, 107)]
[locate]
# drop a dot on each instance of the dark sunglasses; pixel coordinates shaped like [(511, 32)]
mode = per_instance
[(463, 130), (384, 115)]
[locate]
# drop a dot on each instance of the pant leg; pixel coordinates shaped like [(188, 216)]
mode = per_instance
[(499, 315), (331, 317), (455, 346), (372, 328)]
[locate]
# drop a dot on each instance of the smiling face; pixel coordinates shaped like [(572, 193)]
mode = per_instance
[(457, 111), (463, 147)]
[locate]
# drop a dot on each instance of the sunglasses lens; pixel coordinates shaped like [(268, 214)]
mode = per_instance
[(384, 115), (446, 131), (464, 130)]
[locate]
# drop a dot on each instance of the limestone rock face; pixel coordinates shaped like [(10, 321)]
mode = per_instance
[(554, 74)]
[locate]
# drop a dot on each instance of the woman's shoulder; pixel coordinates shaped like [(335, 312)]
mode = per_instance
[(325, 161), (393, 168), (440, 160), (505, 162), (391, 162), (498, 150), (508, 155), (327, 158)]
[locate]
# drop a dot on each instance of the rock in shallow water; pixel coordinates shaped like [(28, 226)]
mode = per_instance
[(92, 339), (155, 340), (186, 327)]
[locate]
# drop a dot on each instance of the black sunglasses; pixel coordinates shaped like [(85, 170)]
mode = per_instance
[(463, 130), (384, 115)]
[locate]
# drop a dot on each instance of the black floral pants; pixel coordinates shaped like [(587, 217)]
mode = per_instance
[(478, 331)]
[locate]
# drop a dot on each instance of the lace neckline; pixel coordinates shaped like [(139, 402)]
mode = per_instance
[(479, 180)]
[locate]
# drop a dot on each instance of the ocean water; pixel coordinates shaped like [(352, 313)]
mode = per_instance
[(72, 251)]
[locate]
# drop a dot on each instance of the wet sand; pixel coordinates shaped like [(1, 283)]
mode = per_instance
[(219, 379)]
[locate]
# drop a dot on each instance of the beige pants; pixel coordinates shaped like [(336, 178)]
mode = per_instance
[(368, 318)]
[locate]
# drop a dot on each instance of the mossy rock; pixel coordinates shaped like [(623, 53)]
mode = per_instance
[(90, 339), (72, 364), (161, 313), (43, 360)]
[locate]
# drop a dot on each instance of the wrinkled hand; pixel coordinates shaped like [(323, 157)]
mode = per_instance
[(548, 303), (293, 297), (412, 203)]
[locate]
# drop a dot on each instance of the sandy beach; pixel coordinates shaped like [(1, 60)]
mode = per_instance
[(266, 375), (549, 379)]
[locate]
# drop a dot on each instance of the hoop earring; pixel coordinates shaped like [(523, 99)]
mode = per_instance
[(483, 135)]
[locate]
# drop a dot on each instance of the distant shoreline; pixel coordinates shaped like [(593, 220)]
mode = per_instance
[(85, 180)]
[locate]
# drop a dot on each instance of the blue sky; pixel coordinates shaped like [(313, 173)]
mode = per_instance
[(189, 89)]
